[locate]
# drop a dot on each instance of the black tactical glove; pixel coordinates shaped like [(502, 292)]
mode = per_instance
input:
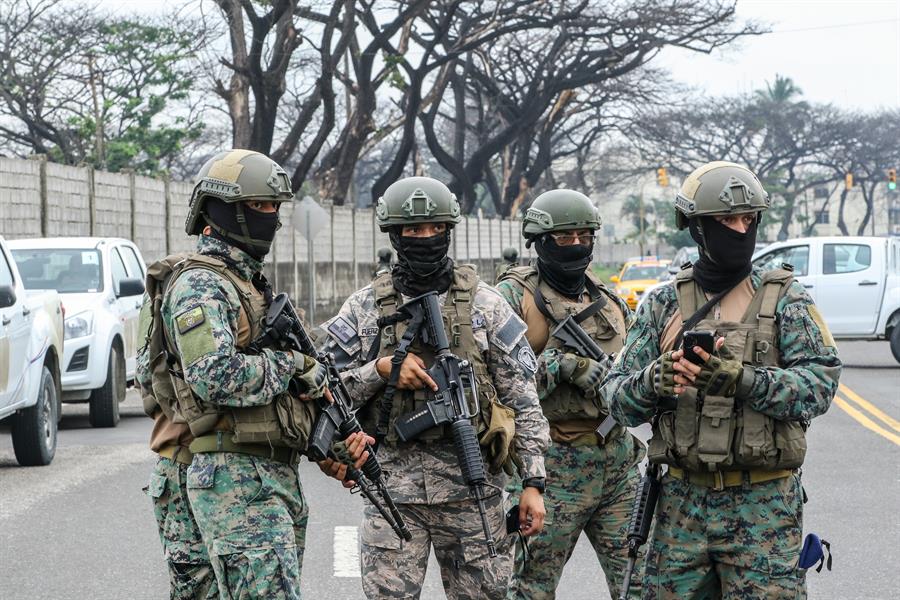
[(311, 375), (660, 376), (723, 375), (580, 371)]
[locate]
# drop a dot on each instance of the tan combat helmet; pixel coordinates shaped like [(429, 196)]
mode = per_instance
[(719, 188), (237, 176), (416, 200)]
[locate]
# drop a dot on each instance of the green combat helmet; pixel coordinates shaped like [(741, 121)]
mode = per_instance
[(510, 254), (237, 176), (718, 188), (559, 210), (416, 200)]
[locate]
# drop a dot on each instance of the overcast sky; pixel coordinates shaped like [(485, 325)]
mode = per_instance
[(839, 51)]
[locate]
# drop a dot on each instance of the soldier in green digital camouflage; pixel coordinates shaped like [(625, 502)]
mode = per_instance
[(424, 474), (593, 478), (510, 257), (732, 427), (225, 408)]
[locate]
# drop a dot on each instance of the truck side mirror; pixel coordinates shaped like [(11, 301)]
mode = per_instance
[(7, 296), (130, 287)]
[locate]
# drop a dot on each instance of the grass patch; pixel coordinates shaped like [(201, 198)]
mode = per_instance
[(604, 272)]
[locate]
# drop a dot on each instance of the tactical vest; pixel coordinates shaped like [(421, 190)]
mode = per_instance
[(171, 393), (713, 433), (457, 316), (607, 328)]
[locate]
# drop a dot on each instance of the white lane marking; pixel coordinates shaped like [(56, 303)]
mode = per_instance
[(346, 551)]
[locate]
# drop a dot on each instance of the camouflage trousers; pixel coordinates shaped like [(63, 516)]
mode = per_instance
[(252, 514), (392, 568), (741, 542), (591, 489), (190, 574)]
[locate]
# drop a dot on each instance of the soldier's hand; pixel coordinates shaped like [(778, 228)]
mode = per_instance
[(412, 373), (311, 375), (356, 447), (719, 375), (583, 372), (688, 372), (531, 512), (662, 376), (336, 469)]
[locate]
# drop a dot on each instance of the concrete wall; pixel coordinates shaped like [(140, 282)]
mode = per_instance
[(43, 199)]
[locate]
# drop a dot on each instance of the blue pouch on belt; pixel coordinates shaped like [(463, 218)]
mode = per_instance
[(815, 551)]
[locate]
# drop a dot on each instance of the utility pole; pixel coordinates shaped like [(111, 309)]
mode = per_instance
[(98, 118)]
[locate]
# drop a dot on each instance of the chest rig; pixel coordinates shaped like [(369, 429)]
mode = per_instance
[(713, 433), (606, 326), (457, 316), (170, 392)]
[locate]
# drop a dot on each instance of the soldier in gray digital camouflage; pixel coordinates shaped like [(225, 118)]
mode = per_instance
[(510, 258), (220, 408), (593, 477), (730, 424), (424, 475), (385, 260)]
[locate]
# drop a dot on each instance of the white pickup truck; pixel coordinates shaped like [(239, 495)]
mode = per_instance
[(31, 346), (855, 282), (101, 281)]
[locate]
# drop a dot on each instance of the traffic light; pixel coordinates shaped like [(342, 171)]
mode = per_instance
[(848, 181), (892, 179), (662, 178)]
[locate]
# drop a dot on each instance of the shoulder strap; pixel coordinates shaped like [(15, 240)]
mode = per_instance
[(774, 285), (526, 276)]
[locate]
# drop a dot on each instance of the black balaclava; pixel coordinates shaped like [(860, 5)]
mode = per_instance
[(724, 253), (222, 217), (563, 267), (422, 263)]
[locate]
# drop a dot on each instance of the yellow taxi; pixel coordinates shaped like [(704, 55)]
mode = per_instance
[(637, 275)]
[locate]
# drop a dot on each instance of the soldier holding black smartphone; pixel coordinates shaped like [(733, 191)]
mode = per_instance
[(730, 423)]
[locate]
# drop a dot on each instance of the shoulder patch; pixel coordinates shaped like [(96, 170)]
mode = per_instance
[(189, 319), (342, 330), (508, 334), (478, 320), (525, 356), (816, 316)]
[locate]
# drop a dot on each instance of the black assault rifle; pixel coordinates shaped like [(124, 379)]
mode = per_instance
[(570, 333), (641, 518), (283, 330), (455, 379)]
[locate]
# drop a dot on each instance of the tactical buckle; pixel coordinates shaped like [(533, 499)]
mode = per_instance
[(390, 335), (718, 481), (455, 329), (761, 347)]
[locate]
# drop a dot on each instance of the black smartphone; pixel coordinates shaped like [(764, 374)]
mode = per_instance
[(698, 337), (512, 520)]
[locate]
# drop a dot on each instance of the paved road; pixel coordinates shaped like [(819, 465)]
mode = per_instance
[(81, 528)]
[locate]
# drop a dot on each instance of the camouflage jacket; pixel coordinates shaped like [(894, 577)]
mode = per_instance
[(548, 361), (800, 389), (429, 473), (217, 372)]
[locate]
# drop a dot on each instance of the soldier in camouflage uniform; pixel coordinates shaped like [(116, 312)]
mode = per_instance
[(510, 257), (731, 427), (424, 474), (385, 258), (247, 431), (593, 478)]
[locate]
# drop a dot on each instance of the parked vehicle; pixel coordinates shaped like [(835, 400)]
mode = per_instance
[(637, 275), (855, 282), (101, 281), (31, 344)]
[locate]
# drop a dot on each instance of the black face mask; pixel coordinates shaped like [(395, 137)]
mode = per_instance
[(563, 267), (422, 263), (260, 227), (724, 253)]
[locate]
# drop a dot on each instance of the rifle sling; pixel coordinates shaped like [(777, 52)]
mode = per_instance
[(585, 314), (400, 353), (695, 318)]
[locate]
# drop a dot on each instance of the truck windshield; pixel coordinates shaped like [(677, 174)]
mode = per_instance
[(66, 270)]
